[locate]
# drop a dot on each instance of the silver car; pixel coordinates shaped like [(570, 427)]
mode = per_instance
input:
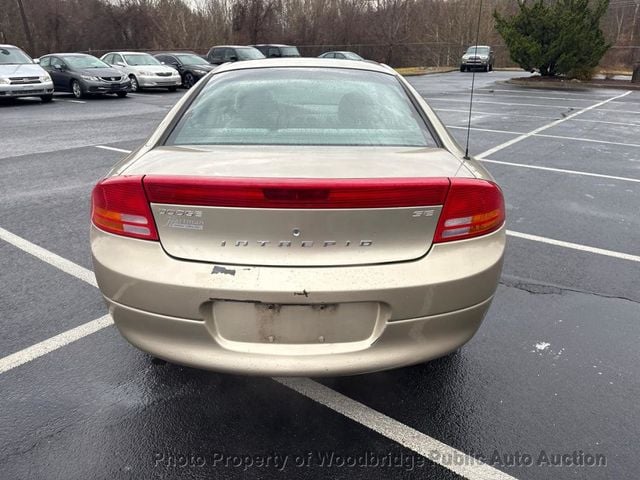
[(298, 217), (20, 76), (144, 70)]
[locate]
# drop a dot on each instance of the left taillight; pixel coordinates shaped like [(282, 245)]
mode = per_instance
[(119, 205)]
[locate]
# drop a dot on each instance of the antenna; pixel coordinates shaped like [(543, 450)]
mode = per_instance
[(473, 83)]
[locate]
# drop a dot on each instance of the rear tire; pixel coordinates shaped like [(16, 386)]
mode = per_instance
[(76, 89), (462, 68), (490, 67), (46, 98), (121, 94)]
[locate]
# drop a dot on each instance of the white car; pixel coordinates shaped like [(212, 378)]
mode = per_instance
[(144, 70), (20, 76)]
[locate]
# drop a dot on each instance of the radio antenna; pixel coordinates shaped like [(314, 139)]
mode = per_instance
[(473, 83)]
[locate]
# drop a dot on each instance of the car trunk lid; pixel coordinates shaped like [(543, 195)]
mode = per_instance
[(280, 209)]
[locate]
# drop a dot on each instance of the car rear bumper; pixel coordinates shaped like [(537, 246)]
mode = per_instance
[(204, 315), (403, 343), (28, 90)]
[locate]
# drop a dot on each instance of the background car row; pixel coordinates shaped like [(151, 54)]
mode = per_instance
[(121, 72)]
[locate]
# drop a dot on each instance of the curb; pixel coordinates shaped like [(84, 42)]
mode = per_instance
[(568, 85)]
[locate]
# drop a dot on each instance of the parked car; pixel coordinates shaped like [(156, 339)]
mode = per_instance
[(342, 55), (191, 67), (232, 53), (271, 50), (20, 76), (144, 70), (299, 218), (83, 74), (477, 56)]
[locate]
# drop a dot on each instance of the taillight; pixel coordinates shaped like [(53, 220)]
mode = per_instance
[(296, 192), (119, 205), (472, 208)]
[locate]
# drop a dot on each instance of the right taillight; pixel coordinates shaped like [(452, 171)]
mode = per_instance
[(472, 208), (119, 205)]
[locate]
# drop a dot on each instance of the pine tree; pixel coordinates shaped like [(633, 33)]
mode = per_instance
[(556, 37)]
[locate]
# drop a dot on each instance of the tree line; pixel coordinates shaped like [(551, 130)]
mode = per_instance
[(397, 32)]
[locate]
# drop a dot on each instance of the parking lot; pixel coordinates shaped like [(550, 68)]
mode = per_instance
[(552, 372)]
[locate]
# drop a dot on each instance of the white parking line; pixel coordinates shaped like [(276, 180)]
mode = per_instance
[(575, 246), (626, 124), (591, 140), (51, 258), (54, 343), (561, 137), (424, 445), (504, 114), (456, 127), (113, 149), (561, 170), (614, 110), (513, 141), (68, 100), (564, 107)]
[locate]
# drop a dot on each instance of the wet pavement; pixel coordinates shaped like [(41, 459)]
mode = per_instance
[(552, 371)]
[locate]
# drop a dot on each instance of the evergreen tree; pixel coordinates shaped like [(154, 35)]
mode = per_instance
[(557, 37)]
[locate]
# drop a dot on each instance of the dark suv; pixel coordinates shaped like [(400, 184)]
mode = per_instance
[(232, 53), (271, 50)]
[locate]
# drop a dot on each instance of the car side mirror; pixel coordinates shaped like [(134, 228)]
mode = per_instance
[(233, 58), (119, 64), (58, 67), (36, 60)]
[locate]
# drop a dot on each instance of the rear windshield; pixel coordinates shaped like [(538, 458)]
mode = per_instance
[(302, 106)]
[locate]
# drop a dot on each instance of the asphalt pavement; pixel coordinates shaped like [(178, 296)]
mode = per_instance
[(552, 375)]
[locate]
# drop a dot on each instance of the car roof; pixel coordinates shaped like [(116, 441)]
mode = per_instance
[(479, 46), (181, 52), (74, 54), (232, 46), (310, 62), (271, 45), (127, 53), (6, 45)]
